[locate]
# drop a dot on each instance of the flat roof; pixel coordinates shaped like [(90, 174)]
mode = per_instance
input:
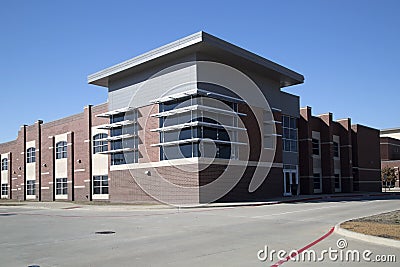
[(287, 76), (390, 130)]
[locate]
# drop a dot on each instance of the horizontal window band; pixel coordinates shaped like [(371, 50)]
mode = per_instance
[(115, 112), (115, 138), (194, 92), (195, 160), (174, 96), (127, 149), (195, 140), (116, 124), (197, 107), (195, 124)]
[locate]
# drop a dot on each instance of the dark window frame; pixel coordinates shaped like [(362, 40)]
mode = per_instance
[(61, 186), (31, 155), (100, 185), (61, 150), (4, 164), (30, 187), (100, 146)]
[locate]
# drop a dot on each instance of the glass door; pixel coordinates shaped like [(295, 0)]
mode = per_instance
[(290, 182)]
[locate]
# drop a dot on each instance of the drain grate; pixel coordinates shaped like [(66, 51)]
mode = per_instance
[(104, 232)]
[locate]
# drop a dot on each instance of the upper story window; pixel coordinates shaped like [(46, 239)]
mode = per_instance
[(214, 120), (315, 147), (30, 155), (335, 149), (61, 150), (4, 164), (98, 145), (289, 137)]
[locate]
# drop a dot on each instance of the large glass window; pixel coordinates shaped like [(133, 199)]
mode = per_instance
[(30, 155), (289, 137), (61, 186), (61, 150), (4, 164), (30, 187), (4, 189), (99, 146), (100, 185), (215, 132), (131, 142)]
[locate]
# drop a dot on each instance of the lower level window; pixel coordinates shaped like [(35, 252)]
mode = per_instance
[(100, 185), (61, 186), (337, 180), (30, 188), (4, 189), (124, 158), (317, 181)]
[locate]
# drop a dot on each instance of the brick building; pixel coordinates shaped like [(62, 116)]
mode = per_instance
[(195, 121), (390, 150)]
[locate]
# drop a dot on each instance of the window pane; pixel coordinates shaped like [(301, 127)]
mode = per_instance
[(293, 146), (224, 151), (286, 132), (210, 133), (286, 121), (185, 134), (293, 134), (186, 150), (293, 123), (223, 135)]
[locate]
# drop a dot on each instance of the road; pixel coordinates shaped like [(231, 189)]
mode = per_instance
[(170, 237)]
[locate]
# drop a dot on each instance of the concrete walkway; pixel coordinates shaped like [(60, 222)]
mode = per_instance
[(154, 206)]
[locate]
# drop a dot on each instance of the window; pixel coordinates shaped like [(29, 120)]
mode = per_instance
[(4, 189), (30, 155), (216, 131), (337, 180), (132, 141), (61, 186), (317, 181), (289, 137), (117, 159), (4, 164), (315, 146), (30, 187), (99, 146), (336, 149), (61, 150), (100, 185)]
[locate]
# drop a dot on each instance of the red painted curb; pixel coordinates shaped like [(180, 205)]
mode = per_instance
[(294, 254)]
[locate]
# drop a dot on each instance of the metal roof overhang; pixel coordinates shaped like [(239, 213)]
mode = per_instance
[(200, 42)]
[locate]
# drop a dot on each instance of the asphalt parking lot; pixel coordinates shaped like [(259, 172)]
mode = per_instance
[(152, 236)]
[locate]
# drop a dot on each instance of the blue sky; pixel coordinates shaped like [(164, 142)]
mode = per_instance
[(348, 51)]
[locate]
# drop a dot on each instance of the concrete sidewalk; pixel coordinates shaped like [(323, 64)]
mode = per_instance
[(65, 205)]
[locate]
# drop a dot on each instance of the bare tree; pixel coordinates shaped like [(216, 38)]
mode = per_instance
[(388, 176)]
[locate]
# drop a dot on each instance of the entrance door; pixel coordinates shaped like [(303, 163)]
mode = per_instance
[(290, 182)]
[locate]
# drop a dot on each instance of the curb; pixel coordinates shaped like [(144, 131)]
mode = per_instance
[(367, 238)]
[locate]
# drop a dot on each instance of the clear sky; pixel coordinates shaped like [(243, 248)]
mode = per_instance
[(348, 51)]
